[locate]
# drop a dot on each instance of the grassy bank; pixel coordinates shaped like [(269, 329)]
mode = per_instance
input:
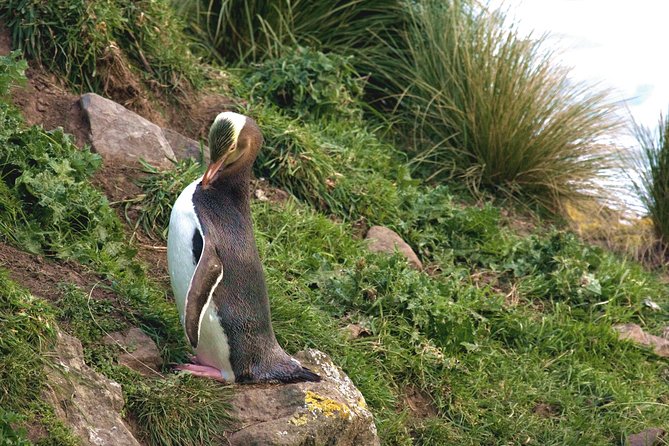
[(505, 338)]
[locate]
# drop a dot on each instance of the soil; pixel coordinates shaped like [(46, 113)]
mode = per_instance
[(419, 402), (42, 276)]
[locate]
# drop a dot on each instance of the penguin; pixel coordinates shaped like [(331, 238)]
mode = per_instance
[(215, 270)]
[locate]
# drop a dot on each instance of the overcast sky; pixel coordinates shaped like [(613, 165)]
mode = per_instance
[(621, 44)]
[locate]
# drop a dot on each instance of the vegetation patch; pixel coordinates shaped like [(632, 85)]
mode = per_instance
[(110, 47)]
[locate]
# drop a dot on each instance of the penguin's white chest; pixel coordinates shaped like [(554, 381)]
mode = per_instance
[(213, 348)]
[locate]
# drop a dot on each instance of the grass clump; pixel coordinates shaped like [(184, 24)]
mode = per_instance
[(490, 106), (164, 410), (652, 182), (241, 31), (93, 44)]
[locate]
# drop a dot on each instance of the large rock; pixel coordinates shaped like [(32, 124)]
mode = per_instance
[(86, 401), (140, 353), (331, 412), (382, 239), (636, 334), (184, 147), (123, 137)]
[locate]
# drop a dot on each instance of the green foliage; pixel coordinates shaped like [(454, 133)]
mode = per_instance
[(89, 42), (161, 189), (28, 331), (651, 177), (88, 319), (10, 436), (45, 191), (309, 83), (180, 410), (485, 104), (241, 31), (12, 71), (336, 167)]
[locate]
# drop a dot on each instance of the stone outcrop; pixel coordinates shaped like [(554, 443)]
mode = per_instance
[(382, 239), (184, 147), (140, 353), (89, 403), (636, 334), (331, 412), (121, 136)]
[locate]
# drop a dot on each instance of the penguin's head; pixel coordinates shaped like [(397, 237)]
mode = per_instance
[(234, 142)]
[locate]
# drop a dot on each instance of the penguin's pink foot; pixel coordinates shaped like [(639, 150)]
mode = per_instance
[(203, 371)]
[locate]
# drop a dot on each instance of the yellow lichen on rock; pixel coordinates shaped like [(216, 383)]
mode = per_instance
[(328, 407), (299, 420)]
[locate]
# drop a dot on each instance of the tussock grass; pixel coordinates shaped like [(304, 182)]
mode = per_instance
[(652, 168), (491, 107), (241, 31)]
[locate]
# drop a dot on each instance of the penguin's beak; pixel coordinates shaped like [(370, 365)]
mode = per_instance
[(213, 169)]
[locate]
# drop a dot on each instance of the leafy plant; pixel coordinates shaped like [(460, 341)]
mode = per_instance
[(651, 178), (12, 71), (309, 83), (10, 436), (161, 189)]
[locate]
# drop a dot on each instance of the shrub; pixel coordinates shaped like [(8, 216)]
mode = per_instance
[(309, 83), (490, 106), (652, 182)]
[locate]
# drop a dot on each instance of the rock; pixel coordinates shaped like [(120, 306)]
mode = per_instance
[(331, 412), (355, 331), (382, 239), (649, 437), (184, 147), (89, 403), (636, 334), (140, 352), (123, 137)]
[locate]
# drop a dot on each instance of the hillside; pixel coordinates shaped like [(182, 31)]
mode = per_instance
[(504, 329)]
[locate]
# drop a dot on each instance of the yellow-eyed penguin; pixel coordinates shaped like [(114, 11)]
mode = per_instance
[(216, 274)]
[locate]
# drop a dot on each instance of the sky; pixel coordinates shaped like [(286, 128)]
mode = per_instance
[(619, 44)]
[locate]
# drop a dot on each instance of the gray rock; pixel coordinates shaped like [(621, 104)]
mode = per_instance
[(382, 239), (331, 412), (140, 353), (649, 437), (184, 147), (89, 403), (636, 334), (121, 136)]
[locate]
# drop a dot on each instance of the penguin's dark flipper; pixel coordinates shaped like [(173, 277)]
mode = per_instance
[(208, 274)]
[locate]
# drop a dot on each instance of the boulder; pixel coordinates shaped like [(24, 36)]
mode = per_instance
[(331, 412), (89, 403), (184, 147), (140, 353), (122, 137), (382, 239), (636, 334)]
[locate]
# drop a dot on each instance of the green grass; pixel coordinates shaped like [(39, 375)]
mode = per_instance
[(651, 181), (242, 31), (109, 46)]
